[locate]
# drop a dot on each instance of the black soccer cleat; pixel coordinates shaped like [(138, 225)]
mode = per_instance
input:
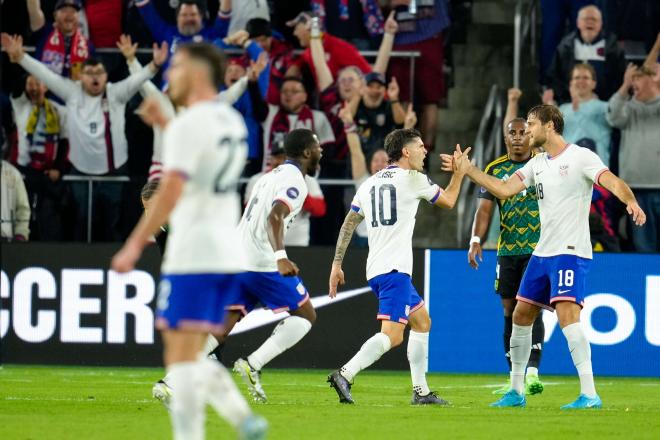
[(430, 399), (342, 386)]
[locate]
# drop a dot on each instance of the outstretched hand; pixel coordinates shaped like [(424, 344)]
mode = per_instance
[(458, 162), (411, 117), (345, 114), (256, 67), (127, 47), (13, 45), (391, 26), (160, 53)]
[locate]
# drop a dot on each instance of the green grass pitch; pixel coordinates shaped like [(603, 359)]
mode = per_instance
[(115, 403)]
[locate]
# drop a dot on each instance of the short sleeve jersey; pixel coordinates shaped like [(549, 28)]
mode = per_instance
[(388, 200), (564, 184), (285, 184), (520, 226), (207, 145)]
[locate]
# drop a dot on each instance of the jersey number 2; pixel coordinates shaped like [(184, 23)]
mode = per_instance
[(381, 214), (221, 184)]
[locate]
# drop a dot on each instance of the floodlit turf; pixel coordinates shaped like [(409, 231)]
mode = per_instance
[(102, 403)]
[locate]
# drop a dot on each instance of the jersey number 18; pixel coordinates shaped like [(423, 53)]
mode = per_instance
[(381, 214)]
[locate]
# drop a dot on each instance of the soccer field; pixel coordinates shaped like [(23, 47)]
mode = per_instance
[(115, 403)]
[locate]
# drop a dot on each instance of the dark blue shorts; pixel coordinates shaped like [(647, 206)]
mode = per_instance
[(194, 301), (274, 291), (548, 280), (397, 297)]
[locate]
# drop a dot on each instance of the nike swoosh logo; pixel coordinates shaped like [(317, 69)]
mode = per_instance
[(261, 317), (536, 174), (561, 292)]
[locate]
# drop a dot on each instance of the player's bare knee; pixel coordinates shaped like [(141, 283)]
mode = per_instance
[(567, 313), (421, 325), (524, 314)]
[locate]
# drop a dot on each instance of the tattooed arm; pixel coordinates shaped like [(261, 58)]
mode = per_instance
[(352, 220)]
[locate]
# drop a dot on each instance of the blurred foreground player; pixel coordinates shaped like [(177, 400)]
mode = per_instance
[(556, 273), (388, 201), (519, 234), (204, 151)]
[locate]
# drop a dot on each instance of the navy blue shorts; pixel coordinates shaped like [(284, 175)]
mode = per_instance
[(397, 297), (548, 280), (194, 301), (274, 291)]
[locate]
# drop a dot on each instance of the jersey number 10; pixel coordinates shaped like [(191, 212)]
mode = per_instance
[(381, 214)]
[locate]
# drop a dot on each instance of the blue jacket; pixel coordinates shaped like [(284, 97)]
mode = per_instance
[(163, 31), (244, 104)]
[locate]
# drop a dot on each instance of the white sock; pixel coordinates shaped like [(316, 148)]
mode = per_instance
[(370, 352), (521, 347), (285, 335), (581, 354), (187, 410), (532, 371), (222, 393), (418, 356), (210, 345)]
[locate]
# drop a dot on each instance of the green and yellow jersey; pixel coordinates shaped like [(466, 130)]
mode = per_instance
[(520, 226)]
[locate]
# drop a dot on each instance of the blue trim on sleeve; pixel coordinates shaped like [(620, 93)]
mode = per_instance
[(435, 197), (355, 208)]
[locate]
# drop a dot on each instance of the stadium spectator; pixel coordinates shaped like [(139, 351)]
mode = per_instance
[(95, 125), (348, 86), (556, 15), (585, 117), (639, 120), (376, 116), (280, 54), (292, 113), (189, 23), (162, 108), (359, 22), (15, 206), (339, 53), (41, 155), (590, 44), (422, 31), (256, 77), (62, 46)]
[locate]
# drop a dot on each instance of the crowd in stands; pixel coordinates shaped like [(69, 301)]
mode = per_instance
[(70, 108)]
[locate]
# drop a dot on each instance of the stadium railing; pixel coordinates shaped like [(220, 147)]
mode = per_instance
[(524, 25), (487, 145), (91, 180), (412, 55)]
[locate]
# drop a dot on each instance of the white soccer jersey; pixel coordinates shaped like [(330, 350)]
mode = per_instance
[(388, 200), (207, 144), (285, 184), (564, 184)]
